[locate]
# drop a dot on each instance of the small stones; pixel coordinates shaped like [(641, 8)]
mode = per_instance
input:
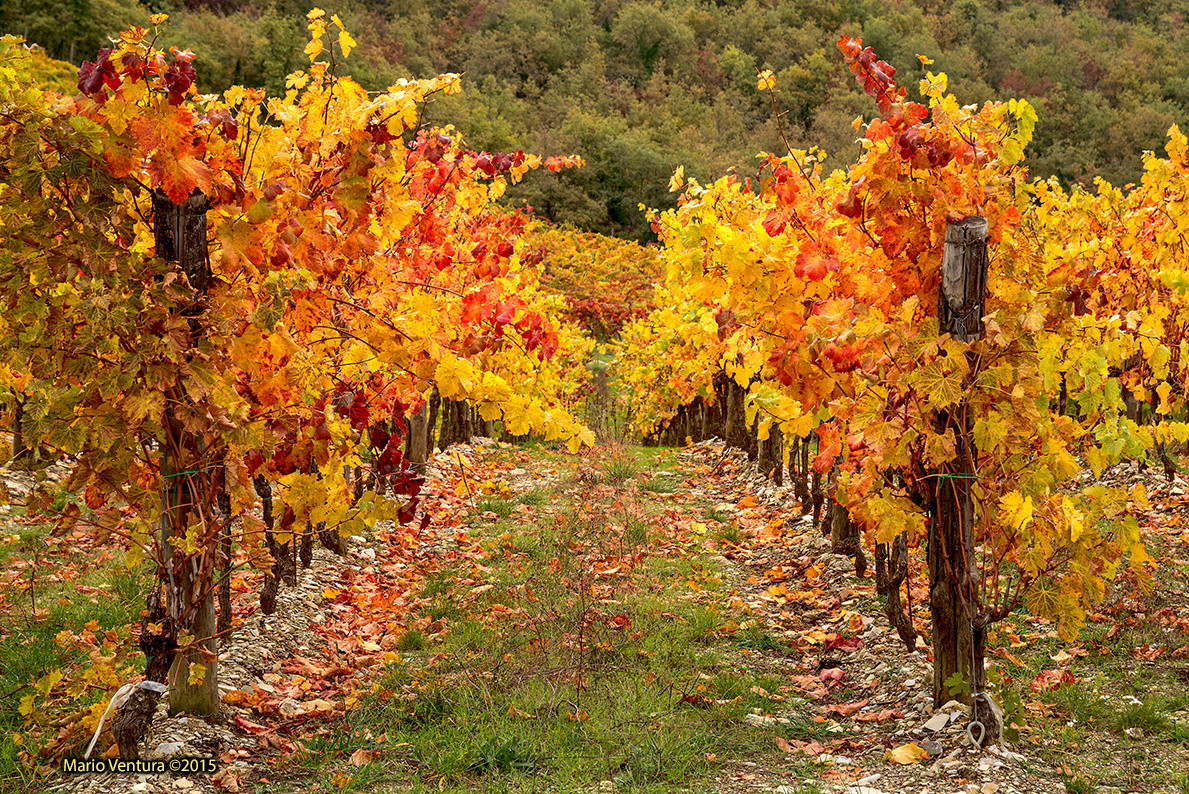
[(934, 749), (169, 748), (938, 721), (762, 721)]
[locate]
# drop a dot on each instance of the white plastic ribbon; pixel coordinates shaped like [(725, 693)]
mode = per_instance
[(118, 699)]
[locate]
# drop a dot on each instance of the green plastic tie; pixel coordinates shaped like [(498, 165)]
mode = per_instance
[(180, 473)]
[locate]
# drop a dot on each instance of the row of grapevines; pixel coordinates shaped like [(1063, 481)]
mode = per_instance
[(835, 279), (356, 263), (606, 281)]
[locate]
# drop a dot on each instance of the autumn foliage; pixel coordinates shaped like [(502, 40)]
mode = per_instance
[(825, 291), (356, 263)]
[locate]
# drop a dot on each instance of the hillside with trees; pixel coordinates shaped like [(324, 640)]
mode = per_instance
[(638, 88), (238, 324)]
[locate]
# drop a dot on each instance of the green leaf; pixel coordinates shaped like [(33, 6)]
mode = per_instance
[(957, 684)]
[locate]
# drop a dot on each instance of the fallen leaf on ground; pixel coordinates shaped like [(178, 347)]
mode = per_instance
[(226, 779), (361, 757), (906, 754), (1049, 680), (832, 674), (846, 709), (1148, 652), (248, 726), (877, 716)]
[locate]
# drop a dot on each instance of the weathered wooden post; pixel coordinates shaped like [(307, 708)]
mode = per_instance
[(179, 232), (419, 436), (180, 235), (959, 628)]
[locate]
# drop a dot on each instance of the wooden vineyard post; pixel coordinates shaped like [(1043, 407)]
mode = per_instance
[(179, 232), (959, 627), (419, 433)]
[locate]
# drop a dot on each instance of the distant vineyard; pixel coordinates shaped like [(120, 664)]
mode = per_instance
[(607, 282)]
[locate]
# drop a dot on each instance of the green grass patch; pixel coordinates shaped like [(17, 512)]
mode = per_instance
[(53, 622), (494, 504), (660, 484), (533, 498), (582, 658), (619, 466)]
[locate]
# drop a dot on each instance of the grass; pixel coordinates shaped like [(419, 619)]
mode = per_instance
[(1077, 783), (659, 485), (619, 466), (586, 656), (501, 507), (62, 607)]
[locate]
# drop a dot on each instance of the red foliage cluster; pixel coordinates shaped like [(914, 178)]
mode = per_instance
[(175, 78), (603, 320)]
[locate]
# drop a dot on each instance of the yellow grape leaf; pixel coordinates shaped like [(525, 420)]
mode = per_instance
[(943, 388), (766, 81), (1164, 389), (933, 85), (678, 179), (314, 48), (1015, 510), (134, 556), (197, 673), (906, 754), (1139, 495), (1074, 517), (46, 683), (989, 431), (1160, 358), (1042, 601), (940, 449), (346, 43)]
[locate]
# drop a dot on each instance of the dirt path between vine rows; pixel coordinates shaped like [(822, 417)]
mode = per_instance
[(845, 697)]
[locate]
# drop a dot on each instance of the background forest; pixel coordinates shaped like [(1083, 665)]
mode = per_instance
[(637, 88)]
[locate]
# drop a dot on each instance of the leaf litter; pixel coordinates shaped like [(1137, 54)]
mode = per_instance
[(794, 609)]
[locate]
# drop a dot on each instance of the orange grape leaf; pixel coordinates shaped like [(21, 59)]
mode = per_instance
[(906, 754), (178, 176), (846, 709), (1049, 680)]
